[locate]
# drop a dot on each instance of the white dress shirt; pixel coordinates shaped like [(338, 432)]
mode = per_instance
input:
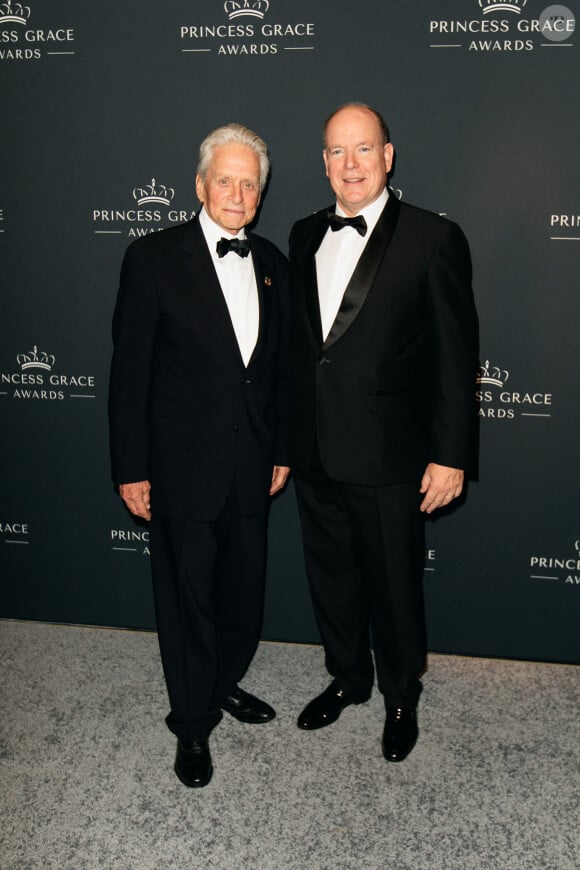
[(337, 257), (238, 282)]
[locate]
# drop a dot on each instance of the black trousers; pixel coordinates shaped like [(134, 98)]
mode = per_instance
[(208, 583), (364, 550)]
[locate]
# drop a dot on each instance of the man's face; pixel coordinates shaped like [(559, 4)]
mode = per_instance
[(230, 191), (356, 161)]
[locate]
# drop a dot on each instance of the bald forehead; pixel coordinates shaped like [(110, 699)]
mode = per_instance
[(352, 119)]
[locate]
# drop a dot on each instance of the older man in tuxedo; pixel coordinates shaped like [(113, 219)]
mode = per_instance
[(383, 360), (198, 416)]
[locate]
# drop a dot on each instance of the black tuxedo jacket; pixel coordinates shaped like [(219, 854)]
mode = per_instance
[(184, 410), (392, 386)]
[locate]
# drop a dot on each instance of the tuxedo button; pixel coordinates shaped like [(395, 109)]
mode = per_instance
[(246, 381), (236, 428), (323, 360)]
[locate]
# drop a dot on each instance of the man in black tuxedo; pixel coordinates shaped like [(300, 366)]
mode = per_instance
[(198, 414), (383, 358)]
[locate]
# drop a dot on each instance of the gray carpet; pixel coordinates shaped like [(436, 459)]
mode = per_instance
[(87, 779)]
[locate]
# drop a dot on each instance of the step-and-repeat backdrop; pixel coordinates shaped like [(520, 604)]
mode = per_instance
[(102, 111)]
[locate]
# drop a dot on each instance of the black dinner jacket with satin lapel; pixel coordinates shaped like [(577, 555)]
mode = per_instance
[(184, 410), (392, 386)]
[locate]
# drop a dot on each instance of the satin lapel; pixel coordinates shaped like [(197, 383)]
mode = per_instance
[(365, 271), (204, 281), (310, 281)]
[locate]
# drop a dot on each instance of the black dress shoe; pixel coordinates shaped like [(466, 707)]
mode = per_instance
[(326, 708), (193, 762), (247, 708), (401, 732)]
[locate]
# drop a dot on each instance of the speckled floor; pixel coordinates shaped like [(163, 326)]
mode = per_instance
[(86, 777)]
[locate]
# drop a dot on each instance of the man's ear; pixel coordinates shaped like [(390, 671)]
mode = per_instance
[(199, 188)]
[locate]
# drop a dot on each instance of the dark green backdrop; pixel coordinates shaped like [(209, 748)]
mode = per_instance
[(104, 106)]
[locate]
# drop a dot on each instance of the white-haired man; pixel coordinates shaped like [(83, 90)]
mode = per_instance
[(198, 416)]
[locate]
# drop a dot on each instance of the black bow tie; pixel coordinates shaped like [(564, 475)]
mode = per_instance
[(336, 222), (240, 246)]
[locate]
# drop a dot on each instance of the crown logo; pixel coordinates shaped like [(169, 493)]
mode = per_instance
[(35, 359), (17, 14), (502, 6), (492, 375), (256, 8), (153, 193)]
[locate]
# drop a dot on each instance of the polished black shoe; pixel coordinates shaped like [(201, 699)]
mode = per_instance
[(247, 708), (193, 762), (326, 708), (401, 732)]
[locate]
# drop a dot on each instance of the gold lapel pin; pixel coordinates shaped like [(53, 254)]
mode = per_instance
[(268, 281)]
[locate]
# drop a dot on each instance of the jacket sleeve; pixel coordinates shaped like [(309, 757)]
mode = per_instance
[(134, 327), (281, 446), (454, 336)]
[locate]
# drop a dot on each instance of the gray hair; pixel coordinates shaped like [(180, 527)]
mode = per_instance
[(378, 117), (242, 136)]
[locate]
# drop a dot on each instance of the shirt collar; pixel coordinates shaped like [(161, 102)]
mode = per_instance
[(213, 233), (372, 212)]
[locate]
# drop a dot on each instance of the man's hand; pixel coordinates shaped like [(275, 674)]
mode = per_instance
[(279, 477), (440, 485), (136, 497)]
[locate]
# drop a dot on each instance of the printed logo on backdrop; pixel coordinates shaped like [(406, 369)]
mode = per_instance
[(242, 8), (247, 27), (516, 26), (564, 228), (563, 568), (430, 557), (37, 377), (151, 209), (134, 541), (14, 532), (2, 220), (22, 39), (498, 400)]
